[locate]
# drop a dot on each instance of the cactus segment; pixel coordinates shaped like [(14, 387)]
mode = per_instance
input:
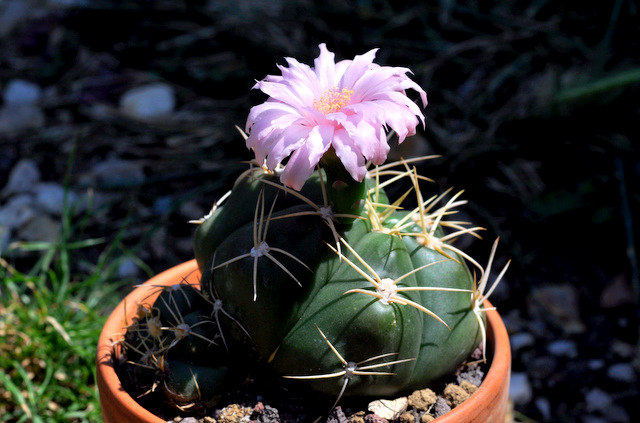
[(334, 289)]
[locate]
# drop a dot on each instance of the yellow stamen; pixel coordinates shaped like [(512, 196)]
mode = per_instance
[(333, 100)]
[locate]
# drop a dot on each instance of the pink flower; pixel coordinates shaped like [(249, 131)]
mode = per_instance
[(346, 105)]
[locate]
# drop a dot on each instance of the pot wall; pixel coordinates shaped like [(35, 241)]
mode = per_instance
[(487, 405)]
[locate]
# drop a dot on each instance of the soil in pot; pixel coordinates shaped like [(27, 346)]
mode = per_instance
[(261, 401)]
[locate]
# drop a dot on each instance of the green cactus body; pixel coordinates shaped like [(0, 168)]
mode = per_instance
[(286, 321), (333, 302)]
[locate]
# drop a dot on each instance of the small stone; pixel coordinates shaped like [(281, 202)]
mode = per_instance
[(521, 340), (258, 408), (208, 419), (422, 400), (469, 387), (441, 407), (426, 418), (149, 101), (520, 390), (50, 196), (233, 413), (473, 375), (597, 400), (19, 91), (23, 176), (20, 117), (621, 372), (374, 418), (623, 349), (455, 395), (17, 211), (189, 420), (357, 417), (563, 348), (596, 364), (128, 269), (12, 12), (40, 228), (389, 409), (116, 173), (406, 417), (336, 416), (544, 406)]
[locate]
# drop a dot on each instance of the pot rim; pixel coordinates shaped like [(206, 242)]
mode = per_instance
[(113, 394)]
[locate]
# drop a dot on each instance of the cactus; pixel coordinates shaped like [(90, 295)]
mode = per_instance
[(327, 285)]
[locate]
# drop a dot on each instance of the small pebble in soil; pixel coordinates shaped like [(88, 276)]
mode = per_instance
[(441, 407), (520, 390), (233, 413), (423, 399), (264, 414), (337, 416), (621, 372), (389, 409), (455, 395), (374, 418)]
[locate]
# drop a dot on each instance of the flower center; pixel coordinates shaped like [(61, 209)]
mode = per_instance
[(333, 100)]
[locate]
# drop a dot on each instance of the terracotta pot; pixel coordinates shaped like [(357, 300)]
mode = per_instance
[(488, 404)]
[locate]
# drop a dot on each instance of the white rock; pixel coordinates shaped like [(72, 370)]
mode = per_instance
[(19, 91), (18, 210), (597, 400), (40, 228), (20, 117), (149, 101), (563, 348), (520, 390), (623, 349), (12, 12), (389, 409), (544, 406), (50, 197), (622, 372), (115, 172), (521, 340), (23, 176), (128, 268)]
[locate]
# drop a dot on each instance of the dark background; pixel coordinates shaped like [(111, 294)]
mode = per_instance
[(533, 107)]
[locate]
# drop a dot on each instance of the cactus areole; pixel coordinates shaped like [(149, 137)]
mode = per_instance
[(311, 273)]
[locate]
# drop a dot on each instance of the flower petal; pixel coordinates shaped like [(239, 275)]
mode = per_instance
[(349, 154), (303, 162), (325, 67)]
